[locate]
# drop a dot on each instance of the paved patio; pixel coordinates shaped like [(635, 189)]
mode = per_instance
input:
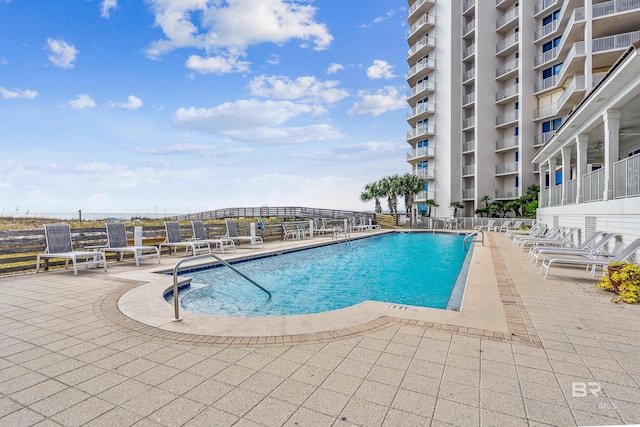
[(68, 356)]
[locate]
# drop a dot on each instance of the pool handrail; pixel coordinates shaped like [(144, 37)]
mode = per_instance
[(475, 233), (176, 303)]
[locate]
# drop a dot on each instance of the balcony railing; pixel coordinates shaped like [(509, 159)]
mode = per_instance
[(468, 122), (417, 5), (468, 193), (469, 51), (468, 98), (424, 20), (421, 65), (546, 111), (578, 83), (467, 75), (507, 117), (507, 143), (426, 173), (468, 170), (544, 4), (571, 191), (506, 67), (468, 4), (510, 167), (546, 29), (421, 152), (620, 41), (611, 7), (468, 146), (469, 27), (509, 41), (547, 83), (626, 177), (425, 195), (424, 107), (593, 186), (542, 138), (555, 195), (423, 42), (513, 13), (506, 193), (547, 56), (421, 130), (507, 92), (422, 86)]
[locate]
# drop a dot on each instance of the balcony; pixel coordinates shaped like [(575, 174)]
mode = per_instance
[(424, 24), (545, 30), (468, 122), (506, 193), (626, 177), (505, 95), (593, 186), (505, 120), (611, 7), (426, 173), (468, 52), (574, 92), (468, 75), (420, 69), (546, 111), (420, 6), (424, 196), (542, 138), (468, 170), (507, 70), (507, 143), (468, 146), (420, 131), (468, 193), (468, 6), (468, 98), (508, 45), (546, 84), (546, 57), (544, 5), (620, 41), (421, 153), (421, 89), (421, 109), (422, 46), (508, 21), (468, 28), (507, 168)]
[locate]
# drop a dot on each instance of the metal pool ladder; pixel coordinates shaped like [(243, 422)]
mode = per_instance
[(176, 303), (467, 238)]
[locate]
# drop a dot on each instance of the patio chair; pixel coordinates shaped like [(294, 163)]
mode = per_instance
[(563, 238), (355, 226), (200, 235), (535, 230), (597, 260), (505, 225), (289, 232), (232, 233), (590, 246), (174, 240), (490, 224), (59, 245), (117, 242), (516, 226)]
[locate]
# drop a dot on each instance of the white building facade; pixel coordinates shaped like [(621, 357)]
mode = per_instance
[(491, 83)]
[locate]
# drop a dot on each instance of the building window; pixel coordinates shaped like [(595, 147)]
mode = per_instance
[(552, 71), (517, 131), (551, 125), (547, 19)]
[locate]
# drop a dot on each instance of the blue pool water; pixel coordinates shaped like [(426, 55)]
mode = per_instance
[(401, 268)]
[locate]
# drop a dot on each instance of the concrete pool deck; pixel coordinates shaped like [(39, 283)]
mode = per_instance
[(522, 351)]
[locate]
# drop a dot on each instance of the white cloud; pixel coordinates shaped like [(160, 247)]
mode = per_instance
[(380, 70), (107, 6), (82, 101), (334, 68), (240, 114), (3, 61), (133, 103), (379, 19), (306, 89), (16, 93), (228, 28), (216, 64), (286, 135), (197, 149), (383, 100), (61, 53)]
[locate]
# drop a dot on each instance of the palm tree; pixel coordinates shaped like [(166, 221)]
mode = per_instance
[(410, 186), (485, 199), (372, 191), (432, 204), (456, 206), (390, 186)]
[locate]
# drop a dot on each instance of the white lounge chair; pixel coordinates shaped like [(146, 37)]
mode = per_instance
[(490, 224), (602, 260), (117, 242), (289, 232), (232, 233), (562, 238), (589, 247), (505, 225), (200, 235), (59, 245), (174, 240)]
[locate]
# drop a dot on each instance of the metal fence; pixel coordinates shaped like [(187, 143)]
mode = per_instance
[(626, 177)]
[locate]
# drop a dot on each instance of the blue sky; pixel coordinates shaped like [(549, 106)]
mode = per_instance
[(185, 105)]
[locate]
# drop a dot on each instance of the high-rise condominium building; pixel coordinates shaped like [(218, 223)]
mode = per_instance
[(491, 81)]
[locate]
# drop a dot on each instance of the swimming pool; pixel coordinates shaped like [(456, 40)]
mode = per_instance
[(418, 269)]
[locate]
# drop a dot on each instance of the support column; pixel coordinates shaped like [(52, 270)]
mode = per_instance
[(611, 148), (566, 171), (543, 201), (552, 179), (581, 146)]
